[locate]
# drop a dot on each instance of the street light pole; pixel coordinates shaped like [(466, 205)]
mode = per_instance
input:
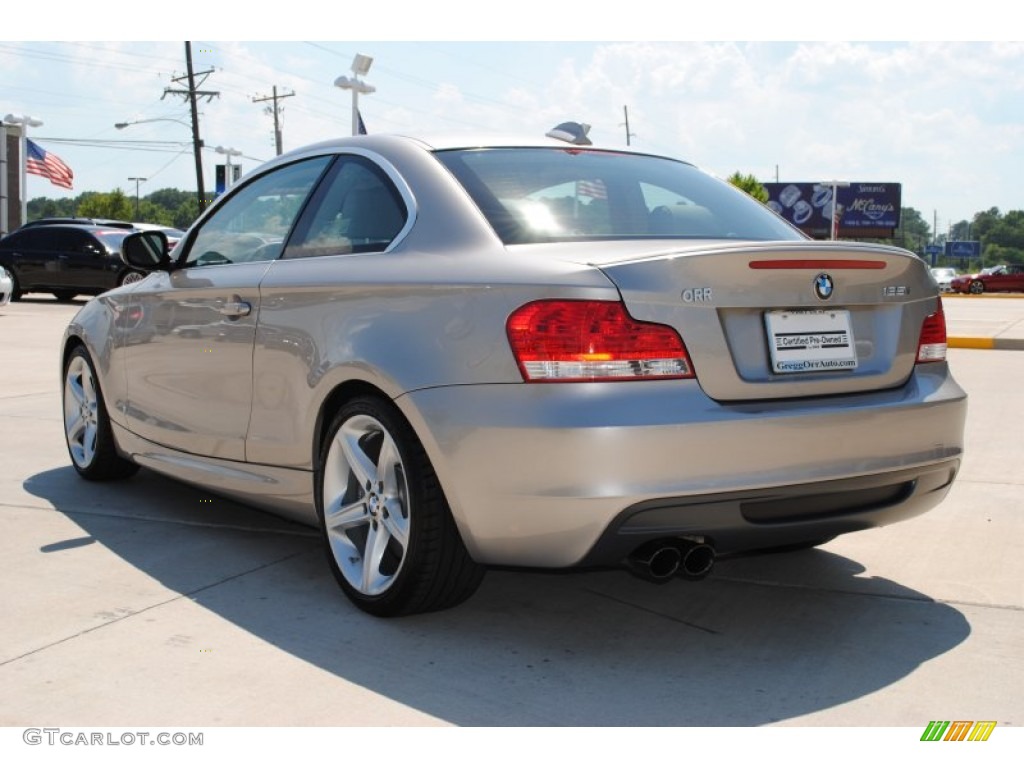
[(137, 180), (24, 121), (360, 66), (835, 185)]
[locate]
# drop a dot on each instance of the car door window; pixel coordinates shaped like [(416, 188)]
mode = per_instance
[(254, 223), (358, 210), (42, 239), (76, 241)]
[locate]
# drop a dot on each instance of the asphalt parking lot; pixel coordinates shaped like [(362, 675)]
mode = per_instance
[(147, 601)]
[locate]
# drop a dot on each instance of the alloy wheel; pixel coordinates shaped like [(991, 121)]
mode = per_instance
[(366, 505)]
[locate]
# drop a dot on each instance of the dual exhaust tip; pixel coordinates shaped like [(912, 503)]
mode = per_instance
[(665, 559)]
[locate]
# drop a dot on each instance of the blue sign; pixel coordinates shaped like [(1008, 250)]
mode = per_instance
[(933, 250), (859, 205), (963, 249), (220, 177)]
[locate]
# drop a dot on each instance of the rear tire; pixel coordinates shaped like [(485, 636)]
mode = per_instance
[(86, 424), (129, 277), (391, 541)]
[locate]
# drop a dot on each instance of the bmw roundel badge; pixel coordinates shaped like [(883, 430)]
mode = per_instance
[(823, 286)]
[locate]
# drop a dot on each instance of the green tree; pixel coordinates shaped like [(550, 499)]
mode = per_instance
[(186, 213), (750, 185), (44, 207), (110, 205), (961, 231), (152, 213), (984, 221), (168, 198), (913, 233)]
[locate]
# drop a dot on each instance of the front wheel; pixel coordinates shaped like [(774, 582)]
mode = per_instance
[(391, 541), (86, 424), (129, 277), (977, 287)]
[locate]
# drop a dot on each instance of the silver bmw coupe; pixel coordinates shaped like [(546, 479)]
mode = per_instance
[(454, 355)]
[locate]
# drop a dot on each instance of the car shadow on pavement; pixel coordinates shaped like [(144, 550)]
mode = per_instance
[(761, 640)]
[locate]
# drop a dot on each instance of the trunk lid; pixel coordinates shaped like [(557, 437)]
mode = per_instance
[(780, 320)]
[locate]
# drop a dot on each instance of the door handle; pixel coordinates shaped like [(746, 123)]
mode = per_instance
[(235, 308)]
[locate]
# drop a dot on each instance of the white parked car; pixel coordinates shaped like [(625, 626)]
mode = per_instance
[(944, 277), (6, 286)]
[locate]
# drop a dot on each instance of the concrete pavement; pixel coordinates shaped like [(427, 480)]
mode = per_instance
[(148, 602), (993, 321)]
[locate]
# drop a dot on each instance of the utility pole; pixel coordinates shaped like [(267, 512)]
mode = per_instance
[(625, 111), (192, 95), (138, 180), (275, 111)]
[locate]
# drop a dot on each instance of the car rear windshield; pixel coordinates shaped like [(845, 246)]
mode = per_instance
[(535, 195)]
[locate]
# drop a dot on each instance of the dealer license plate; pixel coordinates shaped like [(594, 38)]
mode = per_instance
[(803, 341)]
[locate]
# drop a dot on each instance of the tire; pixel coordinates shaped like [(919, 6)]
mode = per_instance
[(391, 541), (86, 424), (129, 277), (977, 287), (16, 292), (64, 295)]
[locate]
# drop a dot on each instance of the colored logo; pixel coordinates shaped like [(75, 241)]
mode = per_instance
[(823, 286), (958, 730)]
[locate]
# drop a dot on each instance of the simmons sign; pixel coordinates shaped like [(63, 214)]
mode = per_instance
[(864, 209)]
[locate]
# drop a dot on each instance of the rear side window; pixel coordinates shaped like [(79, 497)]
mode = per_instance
[(356, 210), (532, 195), (34, 239)]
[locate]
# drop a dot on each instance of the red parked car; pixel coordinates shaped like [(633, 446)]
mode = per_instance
[(1002, 278)]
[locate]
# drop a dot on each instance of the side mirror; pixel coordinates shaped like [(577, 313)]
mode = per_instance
[(147, 251)]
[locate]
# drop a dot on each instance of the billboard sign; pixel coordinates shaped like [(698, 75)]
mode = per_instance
[(865, 209), (963, 249)]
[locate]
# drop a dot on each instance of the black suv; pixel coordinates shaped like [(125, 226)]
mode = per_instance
[(65, 259)]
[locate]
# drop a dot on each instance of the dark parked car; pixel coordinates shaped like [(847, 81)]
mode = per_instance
[(1002, 278), (65, 260)]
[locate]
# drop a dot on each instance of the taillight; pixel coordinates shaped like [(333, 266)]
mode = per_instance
[(566, 340), (931, 347)]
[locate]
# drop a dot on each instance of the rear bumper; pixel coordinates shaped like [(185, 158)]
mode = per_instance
[(771, 517), (561, 475)]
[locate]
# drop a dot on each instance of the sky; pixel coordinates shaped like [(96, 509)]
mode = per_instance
[(759, 89)]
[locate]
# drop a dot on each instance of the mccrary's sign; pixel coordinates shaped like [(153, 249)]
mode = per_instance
[(860, 205)]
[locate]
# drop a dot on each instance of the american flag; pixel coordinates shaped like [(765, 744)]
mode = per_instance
[(43, 163), (594, 189)]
